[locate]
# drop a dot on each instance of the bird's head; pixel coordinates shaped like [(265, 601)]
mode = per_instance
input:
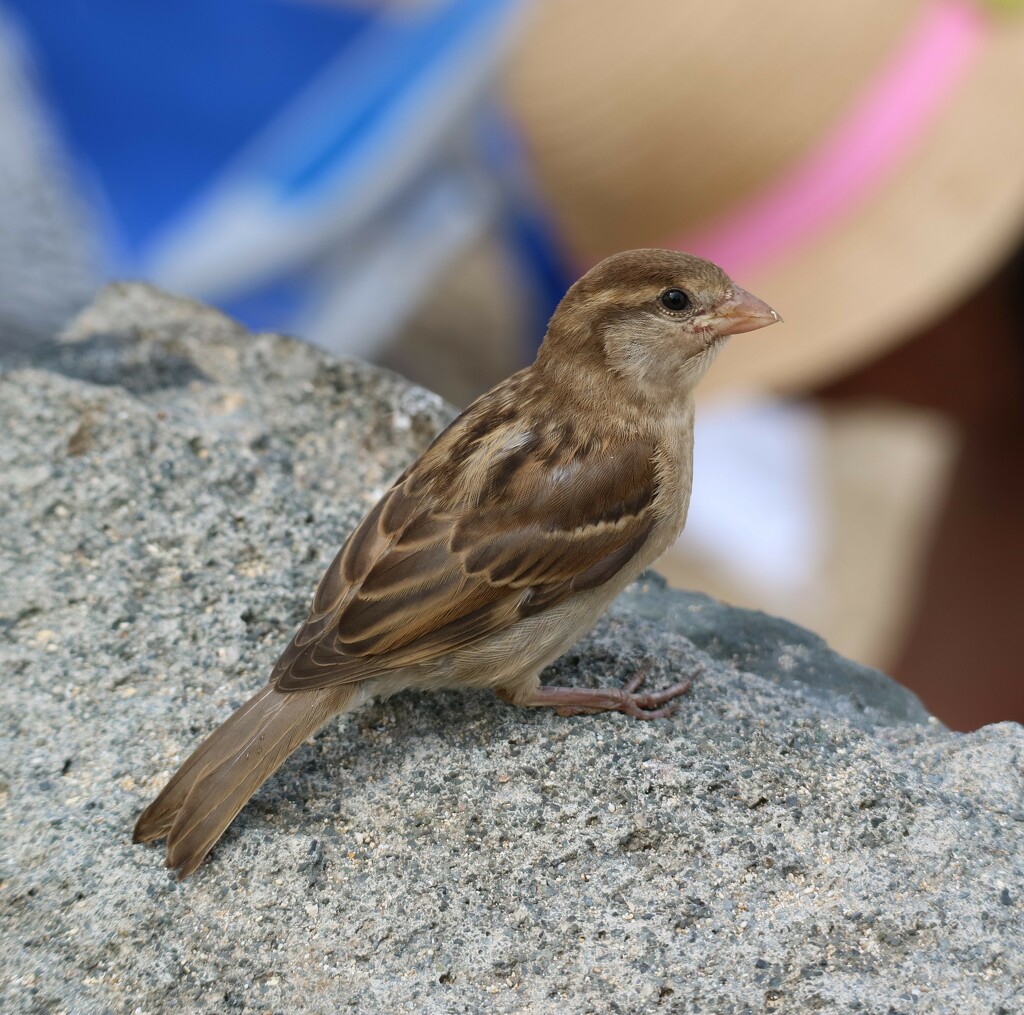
[(655, 318)]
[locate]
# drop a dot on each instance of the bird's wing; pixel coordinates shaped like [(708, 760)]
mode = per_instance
[(469, 542)]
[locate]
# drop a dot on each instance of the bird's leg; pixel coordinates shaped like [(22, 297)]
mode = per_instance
[(591, 700)]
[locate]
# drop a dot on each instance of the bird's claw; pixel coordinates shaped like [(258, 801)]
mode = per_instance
[(651, 705)]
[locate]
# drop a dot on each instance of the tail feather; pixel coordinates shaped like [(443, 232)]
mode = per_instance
[(156, 820), (214, 784)]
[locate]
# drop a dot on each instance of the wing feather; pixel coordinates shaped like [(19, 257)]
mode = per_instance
[(488, 527)]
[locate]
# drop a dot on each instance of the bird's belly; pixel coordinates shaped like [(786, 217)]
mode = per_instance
[(517, 655)]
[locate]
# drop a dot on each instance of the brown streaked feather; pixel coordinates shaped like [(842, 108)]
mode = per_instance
[(450, 555)]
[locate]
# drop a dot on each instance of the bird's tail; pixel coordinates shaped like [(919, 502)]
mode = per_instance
[(213, 785)]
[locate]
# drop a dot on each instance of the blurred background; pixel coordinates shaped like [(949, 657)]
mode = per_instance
[(418, 182)]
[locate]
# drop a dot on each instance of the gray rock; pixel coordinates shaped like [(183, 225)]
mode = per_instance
[(776, 649), (800, 837)]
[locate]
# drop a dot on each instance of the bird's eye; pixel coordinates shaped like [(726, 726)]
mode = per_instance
[(674, 299)]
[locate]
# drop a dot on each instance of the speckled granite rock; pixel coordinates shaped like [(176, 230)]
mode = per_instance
[(799, 838)]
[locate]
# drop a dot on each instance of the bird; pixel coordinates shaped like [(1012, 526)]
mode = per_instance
[(502, 545)]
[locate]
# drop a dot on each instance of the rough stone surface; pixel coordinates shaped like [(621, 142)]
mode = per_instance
[(801, 837)]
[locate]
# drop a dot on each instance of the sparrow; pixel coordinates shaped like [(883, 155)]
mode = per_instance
[(500, 547)]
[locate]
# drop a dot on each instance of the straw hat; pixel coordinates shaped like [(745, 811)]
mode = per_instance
[(860, 166)]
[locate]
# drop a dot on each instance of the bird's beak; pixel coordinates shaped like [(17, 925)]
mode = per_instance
[(742, 312)]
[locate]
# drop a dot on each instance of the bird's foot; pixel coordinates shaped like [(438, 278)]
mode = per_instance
[(592, 700)]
